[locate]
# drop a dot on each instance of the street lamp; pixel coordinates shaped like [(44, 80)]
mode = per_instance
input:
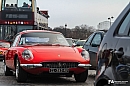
[(65, 29), (110, 18)]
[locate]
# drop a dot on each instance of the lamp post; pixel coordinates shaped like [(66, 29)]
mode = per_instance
[(65, 29), (110, 18)]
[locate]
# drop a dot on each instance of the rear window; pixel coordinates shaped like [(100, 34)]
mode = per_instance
[(4, 44)]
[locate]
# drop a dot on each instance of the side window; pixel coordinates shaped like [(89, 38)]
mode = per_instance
[(89, 39), (123, 30), (24, 3), (97, 39), (15, 40)]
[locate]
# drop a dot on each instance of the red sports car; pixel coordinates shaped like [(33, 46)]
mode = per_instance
[(3, 47), (41, 52)]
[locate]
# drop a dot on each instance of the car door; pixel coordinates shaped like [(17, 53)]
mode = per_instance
[(122, 51), (87, 44), (93, 49), (91, 46)]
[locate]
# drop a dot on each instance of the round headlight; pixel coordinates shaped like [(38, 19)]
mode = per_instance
[(27, 55)]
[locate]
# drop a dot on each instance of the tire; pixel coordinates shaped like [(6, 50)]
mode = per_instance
[(7, 71), (82, 77), (20, 74)]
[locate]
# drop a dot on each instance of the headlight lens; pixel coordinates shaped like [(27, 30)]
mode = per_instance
[(85, 55), (27, 55)]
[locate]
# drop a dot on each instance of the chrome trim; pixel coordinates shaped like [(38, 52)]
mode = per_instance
[(84, 65), (60, 64), (31, 65)]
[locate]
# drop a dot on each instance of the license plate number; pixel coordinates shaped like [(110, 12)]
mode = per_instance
[(59, 70)]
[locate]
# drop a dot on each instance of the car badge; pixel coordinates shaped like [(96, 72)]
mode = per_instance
[(58, 55)]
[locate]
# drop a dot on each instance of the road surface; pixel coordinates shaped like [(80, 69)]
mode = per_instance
[(45, 81)]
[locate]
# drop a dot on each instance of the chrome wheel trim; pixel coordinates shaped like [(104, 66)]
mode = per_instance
[(17, 69), (4, 67)]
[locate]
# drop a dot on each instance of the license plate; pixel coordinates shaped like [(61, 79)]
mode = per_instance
[(59, 70)]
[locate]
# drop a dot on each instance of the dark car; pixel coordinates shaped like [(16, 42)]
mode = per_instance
[(113, 58), (80, 43), (92, 45)]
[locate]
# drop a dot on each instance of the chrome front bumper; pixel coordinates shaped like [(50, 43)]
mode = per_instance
[(31, 65), (40, 65), (84, 65)]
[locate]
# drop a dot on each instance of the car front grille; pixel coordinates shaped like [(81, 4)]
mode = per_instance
[(60, 64)]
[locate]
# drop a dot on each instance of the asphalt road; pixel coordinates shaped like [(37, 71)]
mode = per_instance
[(45, 81)]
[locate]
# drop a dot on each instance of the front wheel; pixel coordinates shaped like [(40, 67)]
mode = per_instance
[(20, 74), (82, 77)]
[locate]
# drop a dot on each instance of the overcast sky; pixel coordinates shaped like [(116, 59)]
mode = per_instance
[(78, 12)]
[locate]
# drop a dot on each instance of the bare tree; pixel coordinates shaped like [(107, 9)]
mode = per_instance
[(79, 32)]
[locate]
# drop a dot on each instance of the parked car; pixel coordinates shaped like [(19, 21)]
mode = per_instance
[(80, 43), (41, 52), (70, 41), (92, 45), (3, 47), (113, 58), (75, 40)]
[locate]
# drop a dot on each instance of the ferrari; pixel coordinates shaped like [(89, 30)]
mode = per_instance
[(42, 52)]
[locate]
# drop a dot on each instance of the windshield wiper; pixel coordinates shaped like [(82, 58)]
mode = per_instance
[(42, 44), (59, 45)]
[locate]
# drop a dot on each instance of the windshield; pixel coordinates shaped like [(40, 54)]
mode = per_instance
[(70, 41), (43, 38), (4, 44), (17, 5), (80, 42)]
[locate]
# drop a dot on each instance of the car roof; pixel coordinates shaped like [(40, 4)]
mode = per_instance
[(68, 38), (4, 41), (30, 31), (101, 30)]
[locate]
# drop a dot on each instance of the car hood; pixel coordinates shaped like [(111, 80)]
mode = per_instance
[(45, 49), (52, 54)]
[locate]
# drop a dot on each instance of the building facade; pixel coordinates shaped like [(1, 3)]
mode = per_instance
[(105, 25)]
